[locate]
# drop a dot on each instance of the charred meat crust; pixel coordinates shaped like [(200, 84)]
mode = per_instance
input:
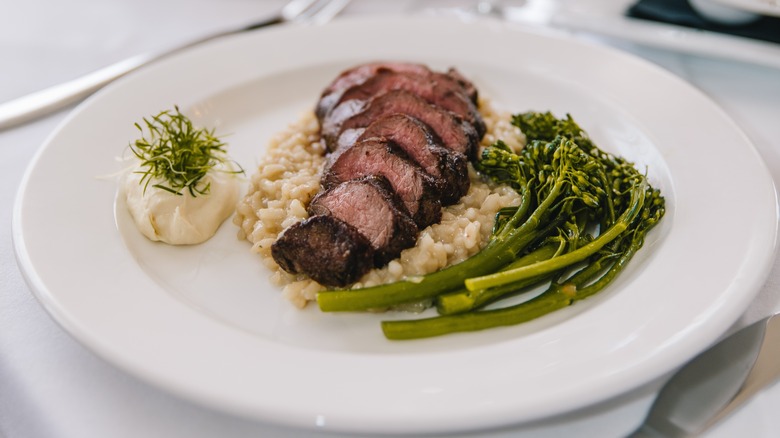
[(304, 246), (467, 85), (416, 189), (386, 225)]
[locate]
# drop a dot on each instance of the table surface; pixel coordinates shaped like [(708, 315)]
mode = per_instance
[(52, 386)]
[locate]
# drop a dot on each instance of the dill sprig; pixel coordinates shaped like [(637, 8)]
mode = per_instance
[(172, 150)]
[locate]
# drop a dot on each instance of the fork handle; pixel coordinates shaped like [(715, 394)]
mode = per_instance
[(40, 103), (49, 100)]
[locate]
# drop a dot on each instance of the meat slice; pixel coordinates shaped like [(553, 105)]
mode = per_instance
[(389, 229), (325, 248), (436, 88), (448, 168), (358, 75), (468, 86), (453, 132), (416, 189)]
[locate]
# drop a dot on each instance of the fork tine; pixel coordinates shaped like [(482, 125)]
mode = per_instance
[(322, 11), (295, 8)]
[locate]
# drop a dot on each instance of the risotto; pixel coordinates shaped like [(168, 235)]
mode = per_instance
[(288, 177)]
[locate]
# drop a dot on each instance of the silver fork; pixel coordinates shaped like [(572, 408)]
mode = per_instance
[(38, 104)]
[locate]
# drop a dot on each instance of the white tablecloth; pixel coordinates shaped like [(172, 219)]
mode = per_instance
[(51, 386)]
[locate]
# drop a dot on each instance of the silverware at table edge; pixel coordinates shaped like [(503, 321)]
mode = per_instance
[(716, 382), (38, 104)]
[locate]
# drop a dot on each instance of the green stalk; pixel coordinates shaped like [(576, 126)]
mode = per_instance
[(557, 296), (472, 321), (557, 263), (586, 274), (465, 300), (637, 240), (607, 278)]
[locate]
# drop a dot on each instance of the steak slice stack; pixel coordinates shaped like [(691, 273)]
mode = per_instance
[(376, 156), (399, 138)]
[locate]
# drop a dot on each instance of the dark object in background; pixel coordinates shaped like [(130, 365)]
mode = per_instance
[(679, 12)]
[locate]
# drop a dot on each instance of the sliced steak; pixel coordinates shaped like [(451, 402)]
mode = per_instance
[(453, 132), (325, 248), (389, 229), (436, 88), (361, 73), (448, 168), (358, 75), (416, 189), (401, 136)]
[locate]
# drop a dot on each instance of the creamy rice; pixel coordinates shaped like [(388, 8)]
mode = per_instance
[(288, 177)]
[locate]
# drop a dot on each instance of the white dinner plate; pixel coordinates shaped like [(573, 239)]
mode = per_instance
[(204, 322)]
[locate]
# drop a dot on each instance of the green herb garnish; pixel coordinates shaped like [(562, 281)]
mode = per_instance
[(172, 150)]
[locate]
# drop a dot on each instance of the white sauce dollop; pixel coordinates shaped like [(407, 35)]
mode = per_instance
[(181, 219)]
